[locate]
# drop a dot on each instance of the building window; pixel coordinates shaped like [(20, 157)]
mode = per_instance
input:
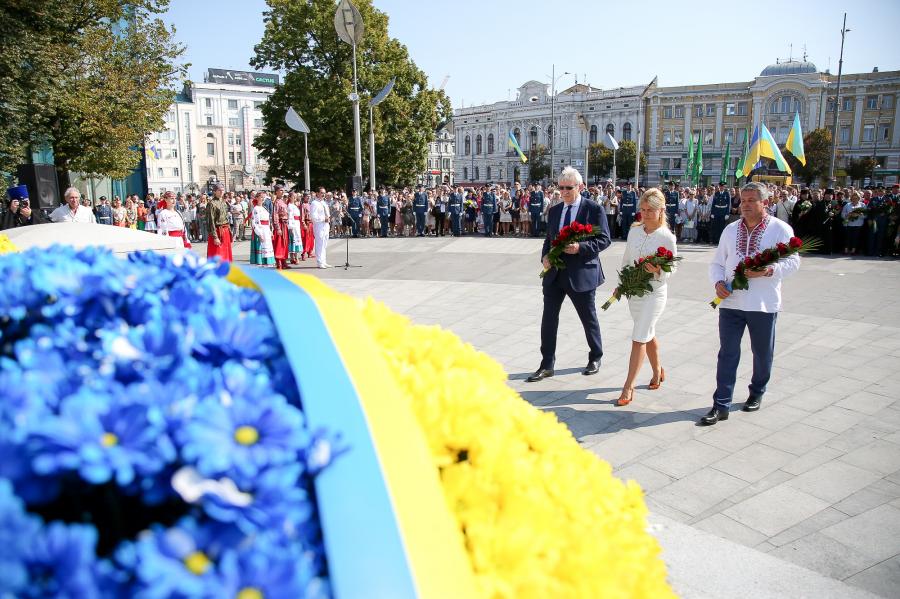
[(174, 153), (518, 135), (478, 144), (231, 139), (667, 138), (676, 163), (175, 171), (465, 172), (477, 174), (446, 164), (490, 143), (698, 110), (611, 129), (742, 109), (710, 110), (845, 135), (240, 157), (209, 120), (708, 137), (258, 123), (887, 101), (847, 105), (872, 102), (868, 133), (592, 136), (884, 133), (729, 136), (230, 157), (786, 104), (679, 112), (159, 172), (233, 121), (667, 112), (626, 132), (232, 104), (468, 146), (208, 102), (257, 105), (664, 163), (488, 173), (678, 141), (211, 149), (730, 109), (550, 136), (533, 142)]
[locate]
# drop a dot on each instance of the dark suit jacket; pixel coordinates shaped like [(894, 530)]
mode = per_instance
[(583, 269)]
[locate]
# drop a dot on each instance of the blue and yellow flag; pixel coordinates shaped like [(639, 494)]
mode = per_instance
[(515, 145), (763, 145), (794, 143)]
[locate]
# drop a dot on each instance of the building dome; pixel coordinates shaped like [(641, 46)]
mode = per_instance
[(790, 67)]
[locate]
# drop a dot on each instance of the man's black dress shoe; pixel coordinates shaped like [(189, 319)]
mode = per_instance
[(593, 367), (539, 375), (713, 416), (752, 404)]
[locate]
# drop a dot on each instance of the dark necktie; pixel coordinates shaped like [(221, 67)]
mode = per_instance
[(567, 220)]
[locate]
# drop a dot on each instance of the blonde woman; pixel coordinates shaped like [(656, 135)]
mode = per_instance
[(644, 238)]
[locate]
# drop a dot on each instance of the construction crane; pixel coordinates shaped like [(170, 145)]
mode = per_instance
[(444, 83)]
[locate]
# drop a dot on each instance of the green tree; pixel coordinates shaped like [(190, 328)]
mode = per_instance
[(89, 79), (300, 39), (538, 163), (600, 159), (625, 157), (859, 169), (817, 147)]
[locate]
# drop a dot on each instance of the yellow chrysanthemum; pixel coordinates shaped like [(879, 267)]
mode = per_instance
[(7, 246), (541, 516)]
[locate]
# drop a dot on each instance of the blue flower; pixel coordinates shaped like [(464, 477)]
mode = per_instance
[(243, 437), (16, 530), (102, 439), (60, 560), (265, 570)]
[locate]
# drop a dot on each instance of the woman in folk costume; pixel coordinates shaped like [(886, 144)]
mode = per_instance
[(309, 238), (261, 251), (168, 221), (280, 233), (294, 215), (150, 217)]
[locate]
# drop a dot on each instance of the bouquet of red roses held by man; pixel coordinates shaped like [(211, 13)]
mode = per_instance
[(762, 260), (634, 279), (574, 233)]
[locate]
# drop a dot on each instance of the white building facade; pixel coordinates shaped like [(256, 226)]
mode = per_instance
[(209, 135), (439, 164)]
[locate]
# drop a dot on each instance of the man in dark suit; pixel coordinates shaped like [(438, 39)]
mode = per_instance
[(579, 279)]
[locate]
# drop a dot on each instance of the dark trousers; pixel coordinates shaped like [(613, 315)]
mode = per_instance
[(627, 219), (852, 237), (384, 224), (716, 226), (354, 224), (420, 223), (554, 294), (536, 229), (762, 344), (611, 223), (439, 223), (488, 223), (877, 229), (454, 224)]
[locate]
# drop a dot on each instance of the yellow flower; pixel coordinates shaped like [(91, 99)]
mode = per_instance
[(7, 246)]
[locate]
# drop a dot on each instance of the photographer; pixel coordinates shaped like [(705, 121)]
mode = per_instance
[(18, 210)]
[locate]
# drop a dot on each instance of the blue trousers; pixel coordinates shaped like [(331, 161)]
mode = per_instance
[(354, 224), (384, 223), (716, 226), (762, 343), (488, 224), (420, 223), (454, 224), (627, 219), (536, 225), (586, 308)]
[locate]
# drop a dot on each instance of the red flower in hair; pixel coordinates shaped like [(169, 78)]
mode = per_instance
[(796, 242)]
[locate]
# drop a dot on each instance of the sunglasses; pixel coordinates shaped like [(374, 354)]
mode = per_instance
[(567, 187)]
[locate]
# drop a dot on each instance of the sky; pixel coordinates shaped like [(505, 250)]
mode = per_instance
[(491, 47)]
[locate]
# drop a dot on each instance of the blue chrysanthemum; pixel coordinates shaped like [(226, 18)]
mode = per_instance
[(265, 570), (60, 560), (16, 530)]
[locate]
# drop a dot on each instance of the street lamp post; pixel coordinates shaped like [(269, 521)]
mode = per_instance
[(875, 147), (554, 79), (837, 105), (348, 24), (293, 120), (372, 104)]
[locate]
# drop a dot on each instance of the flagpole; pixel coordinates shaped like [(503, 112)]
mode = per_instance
[(837, 106)]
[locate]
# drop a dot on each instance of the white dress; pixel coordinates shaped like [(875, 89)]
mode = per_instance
[(645, 311), (170, 223), (262, 227)]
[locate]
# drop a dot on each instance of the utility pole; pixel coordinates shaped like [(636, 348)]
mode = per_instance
[(837, 106)]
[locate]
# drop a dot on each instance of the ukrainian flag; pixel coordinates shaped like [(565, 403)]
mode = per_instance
[(763, 145), (794, 143), (515, 145)]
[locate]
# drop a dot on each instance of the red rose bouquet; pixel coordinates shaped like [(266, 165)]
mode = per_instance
[(763, 260), (634, 280), (573, 233)]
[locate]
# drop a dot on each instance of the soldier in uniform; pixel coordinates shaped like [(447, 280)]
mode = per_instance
[(455, 209), (673, 202), (719, 211), (354, 210), (627, 208), (420, 207), (104, 212), (536, 209), (877, 221), (383, 209), (488, 209)]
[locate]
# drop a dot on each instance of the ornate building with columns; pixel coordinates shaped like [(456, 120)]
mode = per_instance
[(667, 117)]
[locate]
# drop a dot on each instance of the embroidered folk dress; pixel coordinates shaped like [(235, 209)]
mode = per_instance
[(294, 216), (737, 243), (261, 250), (646, 310)]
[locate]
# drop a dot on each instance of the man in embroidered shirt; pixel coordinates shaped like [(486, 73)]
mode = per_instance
[(756, 308)]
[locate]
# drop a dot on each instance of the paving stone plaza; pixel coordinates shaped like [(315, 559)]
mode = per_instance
[(800, 499)]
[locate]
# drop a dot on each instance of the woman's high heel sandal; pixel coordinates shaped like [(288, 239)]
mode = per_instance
[(626, 397), (662, 377)]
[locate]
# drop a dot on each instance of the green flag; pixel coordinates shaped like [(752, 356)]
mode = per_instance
[(739, 171), (698, 160), (723, 177), (689, 167)]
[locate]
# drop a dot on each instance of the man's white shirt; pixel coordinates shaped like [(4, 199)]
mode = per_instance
[(63, 214)]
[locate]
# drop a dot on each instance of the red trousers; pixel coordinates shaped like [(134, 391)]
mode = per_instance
[(223, 250), (309, 240), (280, 240)]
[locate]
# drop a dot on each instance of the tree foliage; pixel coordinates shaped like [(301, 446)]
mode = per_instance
[(600, 159), (89, 78), (817, 148), (538, 163), (625, 158), (859, 169), (300, 39)]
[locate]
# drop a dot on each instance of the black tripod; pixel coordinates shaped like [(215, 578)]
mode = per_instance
[(347, 264)]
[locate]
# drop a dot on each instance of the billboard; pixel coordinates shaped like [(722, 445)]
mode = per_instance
[(242, 78)]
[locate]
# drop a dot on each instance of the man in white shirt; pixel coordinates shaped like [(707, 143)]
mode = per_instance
[(320, 215), (72, 211), (756, 308)]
